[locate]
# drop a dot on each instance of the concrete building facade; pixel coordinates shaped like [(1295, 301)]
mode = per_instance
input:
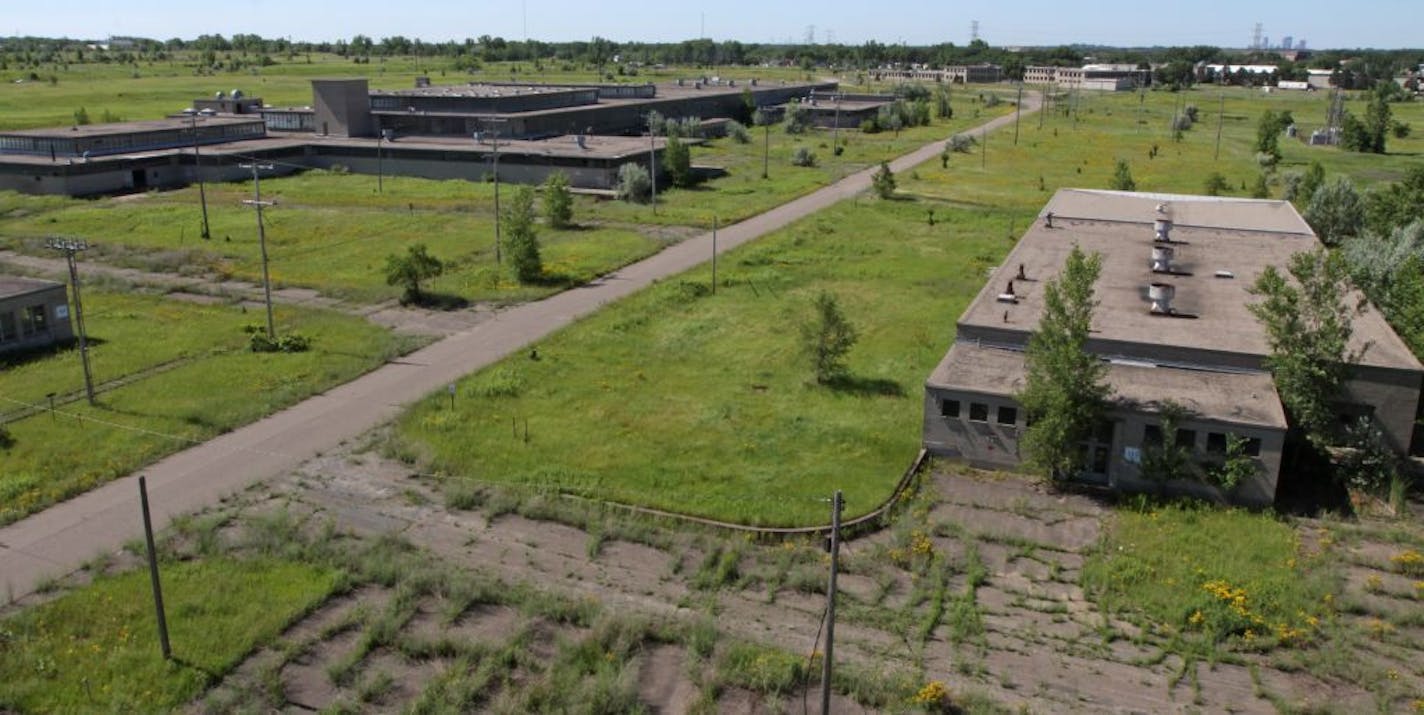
[(33, 314), (1171, 327)]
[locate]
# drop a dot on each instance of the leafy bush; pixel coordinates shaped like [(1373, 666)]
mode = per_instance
[(798, 119), (410, 269), (870, 126), (738, 131), (803, 157), (1215, 184), (884, 181), (1370, 465), (634, 184), (558, 201), (289, 343), (677, 162), (962, 143)]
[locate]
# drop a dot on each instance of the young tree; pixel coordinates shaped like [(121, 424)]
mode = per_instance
[(1215, 184), (1166, 461), (1398, 204), (521, 238), (558, 202), (1308, 327), (798, 118), (409, 270), (1260, 189), (1268, 132), (1064, 393), (677, 162), (827, 338), (883, 181), (634, 184), (1336, 211), (1122, 177), (1310, 182)]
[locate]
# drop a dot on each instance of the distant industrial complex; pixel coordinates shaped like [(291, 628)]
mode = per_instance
[(1171, 324)]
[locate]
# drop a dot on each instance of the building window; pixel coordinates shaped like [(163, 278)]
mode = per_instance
[(1215, 443), (949, 408), (1253, 446), (7, 327), (32, 320), (1152, 436), (1008, 415), (1187, 438), (978, 412)]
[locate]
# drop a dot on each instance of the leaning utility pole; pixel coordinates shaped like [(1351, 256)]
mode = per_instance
[(257, 203), (826, 664), (1018, 110), (71, 246), (653, 160), (198, 169), (1220, 114)]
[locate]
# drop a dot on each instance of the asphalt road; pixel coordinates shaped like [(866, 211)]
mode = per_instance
[(60, 539)]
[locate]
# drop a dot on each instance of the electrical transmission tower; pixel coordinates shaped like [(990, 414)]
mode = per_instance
[(973, 30), (70, 247), (1256, 37)]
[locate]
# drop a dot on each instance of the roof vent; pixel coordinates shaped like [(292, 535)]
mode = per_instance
[(1225, 274), (1161, 295), (1162, 229), (1162, 259)]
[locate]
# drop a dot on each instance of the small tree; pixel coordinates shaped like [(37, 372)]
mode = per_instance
[(677, 162), (81, 116), (1122, 177), (883, 181), (1168, 461), (1310, 182), (1215, 184), (962, 143), (634, 184), (943, 109), (1064, 393), (1268, 133), (803, 157), (827, 338), (522, 238), (1260, 189), (798, 118), (1308, 327), (1336, 211), (558, 201), (738, 132), (410, 269)]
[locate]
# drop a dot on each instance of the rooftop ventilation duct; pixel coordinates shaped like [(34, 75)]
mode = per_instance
[(1162, 229), (1162, 259), (1161, 295)]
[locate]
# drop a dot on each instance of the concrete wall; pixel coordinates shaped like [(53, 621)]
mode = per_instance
[(342, 107), (1394, 397), (57, 328)]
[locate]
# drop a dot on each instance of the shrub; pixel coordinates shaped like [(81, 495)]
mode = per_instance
[(1370, 466), (797, 118), (1181, 123), (409, 270), (1122, 177), (81, 117), (289, 343), (738, 132), (1191, 112), (870, 126), (884, 181), (522, 238), (1215, 184), (677, 162), (558, 201), (634, 184), (803, 157), (961, 143)]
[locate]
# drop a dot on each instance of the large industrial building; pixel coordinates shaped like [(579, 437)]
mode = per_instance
[(1171, 324), (584, 131)]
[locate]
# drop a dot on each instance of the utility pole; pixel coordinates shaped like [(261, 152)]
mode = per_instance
[(498, 259), (153, 571), (380, 168), (1220, 114), (1043, 97), (836, 130), (257, 203), (983, 146), (765, 144), (71, 246), (714, 255), (198, 169), (653, 160), (1018, 111), (827, 662)]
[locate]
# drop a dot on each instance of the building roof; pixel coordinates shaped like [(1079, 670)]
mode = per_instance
[(150, 125), (1231, 397), (15, 286), (481, 89), (1239, 237)]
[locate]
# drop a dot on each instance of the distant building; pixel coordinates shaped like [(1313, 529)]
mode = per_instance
[(33, 314), (1320, 78), (1171, 325), (1102, 77)]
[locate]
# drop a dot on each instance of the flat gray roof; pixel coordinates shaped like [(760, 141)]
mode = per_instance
[(16, 286), (1238, 236), (1233, 397), (150, 125), (480, 89)]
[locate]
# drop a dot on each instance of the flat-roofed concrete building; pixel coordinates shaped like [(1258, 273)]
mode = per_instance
[(1172, 325), (33, 314)]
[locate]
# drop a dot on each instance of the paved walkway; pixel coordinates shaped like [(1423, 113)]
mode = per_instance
[(60, 539)]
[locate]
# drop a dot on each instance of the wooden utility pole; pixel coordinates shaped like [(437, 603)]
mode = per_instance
[(69, 247), (653, 159), (714, 255), (153, 571), (257, 203), (827, 663), (1018, 111), (1220, 114)]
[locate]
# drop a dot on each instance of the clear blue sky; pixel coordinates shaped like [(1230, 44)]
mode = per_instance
[(1368, 23)]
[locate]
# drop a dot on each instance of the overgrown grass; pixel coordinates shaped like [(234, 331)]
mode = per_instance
[(96, 648), (193, 377), (1215, 575), (698, 403)]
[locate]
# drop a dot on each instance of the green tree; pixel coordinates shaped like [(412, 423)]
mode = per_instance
[(1308, 327), (81, 116), (558, 201), (1215, 184), (1398, 204), (942, 106), (1166, 461), (883, 181), (827, 338), (1310, 182), (1064, 393), (634, 184), (1122, 177), (1260, 189), (677, 162), (1268, 132), (521, 238), (410, 269), (1336, 211), (1368, 135)]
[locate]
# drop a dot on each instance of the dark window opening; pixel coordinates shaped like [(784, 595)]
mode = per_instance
[(949, 408), (7, 327), (1008, 415), (1187, 438), (1215, 443), (978, 412), (1253, 446), (1152, 436)]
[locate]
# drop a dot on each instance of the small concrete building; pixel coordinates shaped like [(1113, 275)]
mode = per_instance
[(1171, 325), (33, 314)]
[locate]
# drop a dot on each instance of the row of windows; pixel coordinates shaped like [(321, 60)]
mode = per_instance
[(1215, 441), (979, 412), (29, 322)]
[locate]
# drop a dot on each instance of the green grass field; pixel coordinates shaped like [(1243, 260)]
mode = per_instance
[(95, 649), (702, 404), (194, 378)]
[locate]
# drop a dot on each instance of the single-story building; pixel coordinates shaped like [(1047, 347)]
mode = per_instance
[(33, 314)]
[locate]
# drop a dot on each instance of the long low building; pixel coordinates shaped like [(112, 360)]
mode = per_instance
[(1171, 326), (33, 314)]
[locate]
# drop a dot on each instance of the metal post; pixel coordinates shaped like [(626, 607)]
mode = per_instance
[(259, 204), (983, 146), (829, 660), (70, 247), (765, 146), (714, 255), (498, 253), (380, 170), (198, 169), (153, 571), (836, 129), (653, 161), (1018, 111), (1042, 105), (1220, 113)]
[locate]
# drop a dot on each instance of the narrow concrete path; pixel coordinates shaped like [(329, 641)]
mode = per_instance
[(58, 540)]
